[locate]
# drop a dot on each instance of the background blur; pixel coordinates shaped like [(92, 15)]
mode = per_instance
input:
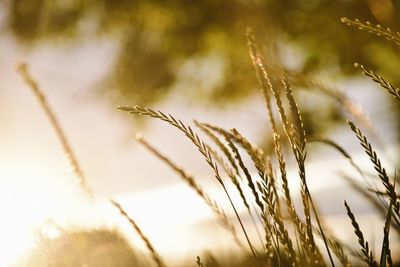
[(186, 58)]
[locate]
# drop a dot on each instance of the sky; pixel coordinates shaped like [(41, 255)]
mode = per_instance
[(37, 185)]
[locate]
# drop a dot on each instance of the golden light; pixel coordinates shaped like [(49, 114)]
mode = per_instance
[(27, 199)]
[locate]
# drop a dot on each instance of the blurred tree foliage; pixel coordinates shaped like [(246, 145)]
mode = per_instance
[(199, 47)]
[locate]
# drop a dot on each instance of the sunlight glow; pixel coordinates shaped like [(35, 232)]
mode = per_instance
[(173, 217), (28, 197)]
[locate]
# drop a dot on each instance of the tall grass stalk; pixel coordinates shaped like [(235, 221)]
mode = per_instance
[(22, 69), (203, 149), (154, 255), (191, 181)]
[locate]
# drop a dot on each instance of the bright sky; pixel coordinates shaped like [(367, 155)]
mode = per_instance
[(36, 183)]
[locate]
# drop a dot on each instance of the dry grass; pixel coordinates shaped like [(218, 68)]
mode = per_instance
[(264, 187), (395, 92), (377, 29), (270, 197), (155, 256), (54, 122)]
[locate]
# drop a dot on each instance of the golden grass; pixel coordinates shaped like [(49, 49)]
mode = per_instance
[(155, 256), (22, 69), (270, 194)]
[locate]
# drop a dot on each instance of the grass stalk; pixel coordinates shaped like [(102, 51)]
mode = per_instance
[(368, 257), (154, 255), (22, 69), (190, 180), (202, 148)]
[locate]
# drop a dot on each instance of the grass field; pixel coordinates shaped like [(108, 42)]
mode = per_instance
[(288, 233)]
